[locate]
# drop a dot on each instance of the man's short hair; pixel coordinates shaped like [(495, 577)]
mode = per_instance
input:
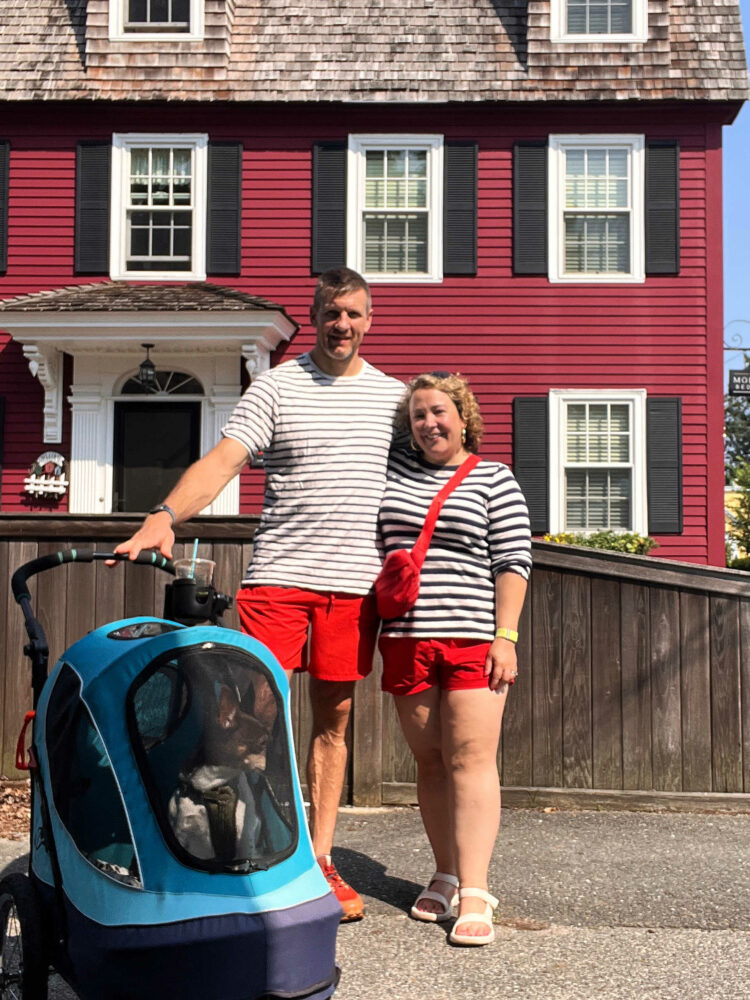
[(339, 281)]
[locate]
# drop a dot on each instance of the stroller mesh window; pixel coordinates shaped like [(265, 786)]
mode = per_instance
[(84, 790), (209, 730)]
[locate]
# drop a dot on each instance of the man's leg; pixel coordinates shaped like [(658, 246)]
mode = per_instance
[(331, 703)]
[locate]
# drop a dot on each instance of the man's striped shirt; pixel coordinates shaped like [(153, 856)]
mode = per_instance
[(325, 443), (482, 531)]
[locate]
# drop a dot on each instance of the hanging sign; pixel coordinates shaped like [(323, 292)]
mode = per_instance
[(739, 383), (46, 476)]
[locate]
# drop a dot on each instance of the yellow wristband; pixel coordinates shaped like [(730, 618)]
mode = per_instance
[(507, 633)]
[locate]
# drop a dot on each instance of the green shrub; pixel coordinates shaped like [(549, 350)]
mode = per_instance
[(740, 562), (613, 540)]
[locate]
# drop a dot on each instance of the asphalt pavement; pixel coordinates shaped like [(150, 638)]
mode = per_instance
[(604, 905)]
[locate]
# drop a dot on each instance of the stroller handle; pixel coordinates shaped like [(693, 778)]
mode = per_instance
[(85, 554)]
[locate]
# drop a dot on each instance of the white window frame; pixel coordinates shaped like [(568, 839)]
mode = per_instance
[(559, 399), (122, 144), (358, 146), (118, 33), (636, 148), (559, 26)]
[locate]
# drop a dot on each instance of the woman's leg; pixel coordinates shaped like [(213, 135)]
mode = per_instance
[(419, 715), (470, 725)]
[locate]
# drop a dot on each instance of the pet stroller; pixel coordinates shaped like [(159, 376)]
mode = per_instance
[(169, 851)]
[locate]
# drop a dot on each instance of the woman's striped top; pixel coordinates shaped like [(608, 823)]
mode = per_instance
[(482, 531), (325, 443)]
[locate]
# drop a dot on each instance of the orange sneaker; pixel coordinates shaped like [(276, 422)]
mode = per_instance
[(349, 899)]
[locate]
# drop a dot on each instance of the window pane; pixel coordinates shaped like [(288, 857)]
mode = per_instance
[(592, 17), (159, 10), (396, 162), (597, 499), (395, 244), (137, 10), (597, 244)]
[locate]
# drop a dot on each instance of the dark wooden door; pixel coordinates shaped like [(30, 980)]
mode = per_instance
[(154, 443)]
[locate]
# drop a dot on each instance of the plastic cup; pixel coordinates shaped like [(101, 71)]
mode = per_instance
[(200, 570)]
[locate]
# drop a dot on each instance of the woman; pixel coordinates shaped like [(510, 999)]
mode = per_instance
[(450, 660)]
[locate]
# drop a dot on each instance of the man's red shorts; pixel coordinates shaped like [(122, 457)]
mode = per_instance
[(414, 665), (341, 629)]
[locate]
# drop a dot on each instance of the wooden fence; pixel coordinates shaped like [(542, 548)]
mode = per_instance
[(634, 684)]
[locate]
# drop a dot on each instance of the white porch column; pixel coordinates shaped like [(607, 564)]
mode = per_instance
[(216, 411), (90, 466)]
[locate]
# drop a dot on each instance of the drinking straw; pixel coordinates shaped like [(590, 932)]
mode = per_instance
[(195, 555)]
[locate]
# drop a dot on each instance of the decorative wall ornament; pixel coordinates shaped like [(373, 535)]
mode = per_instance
[(46, 365), (47, 477)]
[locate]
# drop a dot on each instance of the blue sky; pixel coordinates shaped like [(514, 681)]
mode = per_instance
[(737, 225)]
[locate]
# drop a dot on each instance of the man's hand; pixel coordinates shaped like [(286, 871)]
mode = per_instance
[(155, 533)]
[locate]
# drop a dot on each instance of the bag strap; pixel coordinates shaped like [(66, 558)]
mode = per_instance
[(422, 544)]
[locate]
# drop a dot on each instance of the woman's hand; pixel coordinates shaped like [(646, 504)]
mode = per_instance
[(501, 665)]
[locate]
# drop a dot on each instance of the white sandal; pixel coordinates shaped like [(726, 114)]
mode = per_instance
[(475, 918), (446, 903)]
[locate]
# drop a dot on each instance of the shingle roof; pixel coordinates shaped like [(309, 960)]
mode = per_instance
[(121, 296), (370, 50)]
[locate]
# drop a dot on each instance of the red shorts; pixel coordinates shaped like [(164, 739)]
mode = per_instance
[(414, 665), (341, 629)]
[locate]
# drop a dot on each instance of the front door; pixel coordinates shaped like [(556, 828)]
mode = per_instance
[(154, 444)]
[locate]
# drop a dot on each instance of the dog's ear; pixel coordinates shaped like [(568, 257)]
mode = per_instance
[(228, 708)]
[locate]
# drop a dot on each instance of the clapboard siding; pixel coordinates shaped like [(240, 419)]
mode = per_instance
[(511, 335), (633, 671)]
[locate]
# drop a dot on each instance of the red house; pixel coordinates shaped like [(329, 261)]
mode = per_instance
[(533, 190)]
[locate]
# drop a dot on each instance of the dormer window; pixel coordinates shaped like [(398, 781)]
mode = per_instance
[(599, 20), (137, 20), (157, 15)]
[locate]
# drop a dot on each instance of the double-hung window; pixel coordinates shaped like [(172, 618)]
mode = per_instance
[(597, 461), (395, 193), (596, 214), (162, 19), (599, 20), (159, 206)]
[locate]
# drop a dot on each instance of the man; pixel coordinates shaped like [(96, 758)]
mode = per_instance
[(324, 424)]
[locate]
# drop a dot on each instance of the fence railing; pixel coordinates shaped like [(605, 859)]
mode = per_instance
[(634, 672)]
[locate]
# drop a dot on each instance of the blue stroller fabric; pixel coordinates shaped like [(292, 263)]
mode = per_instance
[(177, 821)]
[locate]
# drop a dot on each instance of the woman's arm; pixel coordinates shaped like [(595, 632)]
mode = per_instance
[(501, 664)]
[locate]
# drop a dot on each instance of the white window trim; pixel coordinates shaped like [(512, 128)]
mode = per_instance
[(358, 144), (635, 145), (117, 32), (558, 400), (122, 143), (559, 26)]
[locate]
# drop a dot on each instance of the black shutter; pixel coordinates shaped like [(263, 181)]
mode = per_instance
[(328, 206), (93, 184), (662, 208), (530, 208), (4, 170), (223, 217), (460, 208), (664, 464), (531, 457)]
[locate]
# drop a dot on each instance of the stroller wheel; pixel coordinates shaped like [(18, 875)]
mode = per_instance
[(24, 965)]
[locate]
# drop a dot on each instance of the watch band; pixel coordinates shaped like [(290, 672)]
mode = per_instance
[(507, 633), (162, 506)]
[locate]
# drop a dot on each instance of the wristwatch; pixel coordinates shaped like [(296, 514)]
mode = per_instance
[(162, 506)]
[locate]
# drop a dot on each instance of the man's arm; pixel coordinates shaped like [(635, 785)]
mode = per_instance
[(197, 487)]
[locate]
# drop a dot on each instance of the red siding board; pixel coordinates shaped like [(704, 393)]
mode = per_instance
[(511, 335)]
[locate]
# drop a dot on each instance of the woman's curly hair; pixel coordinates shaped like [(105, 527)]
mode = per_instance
[(457, 388)]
